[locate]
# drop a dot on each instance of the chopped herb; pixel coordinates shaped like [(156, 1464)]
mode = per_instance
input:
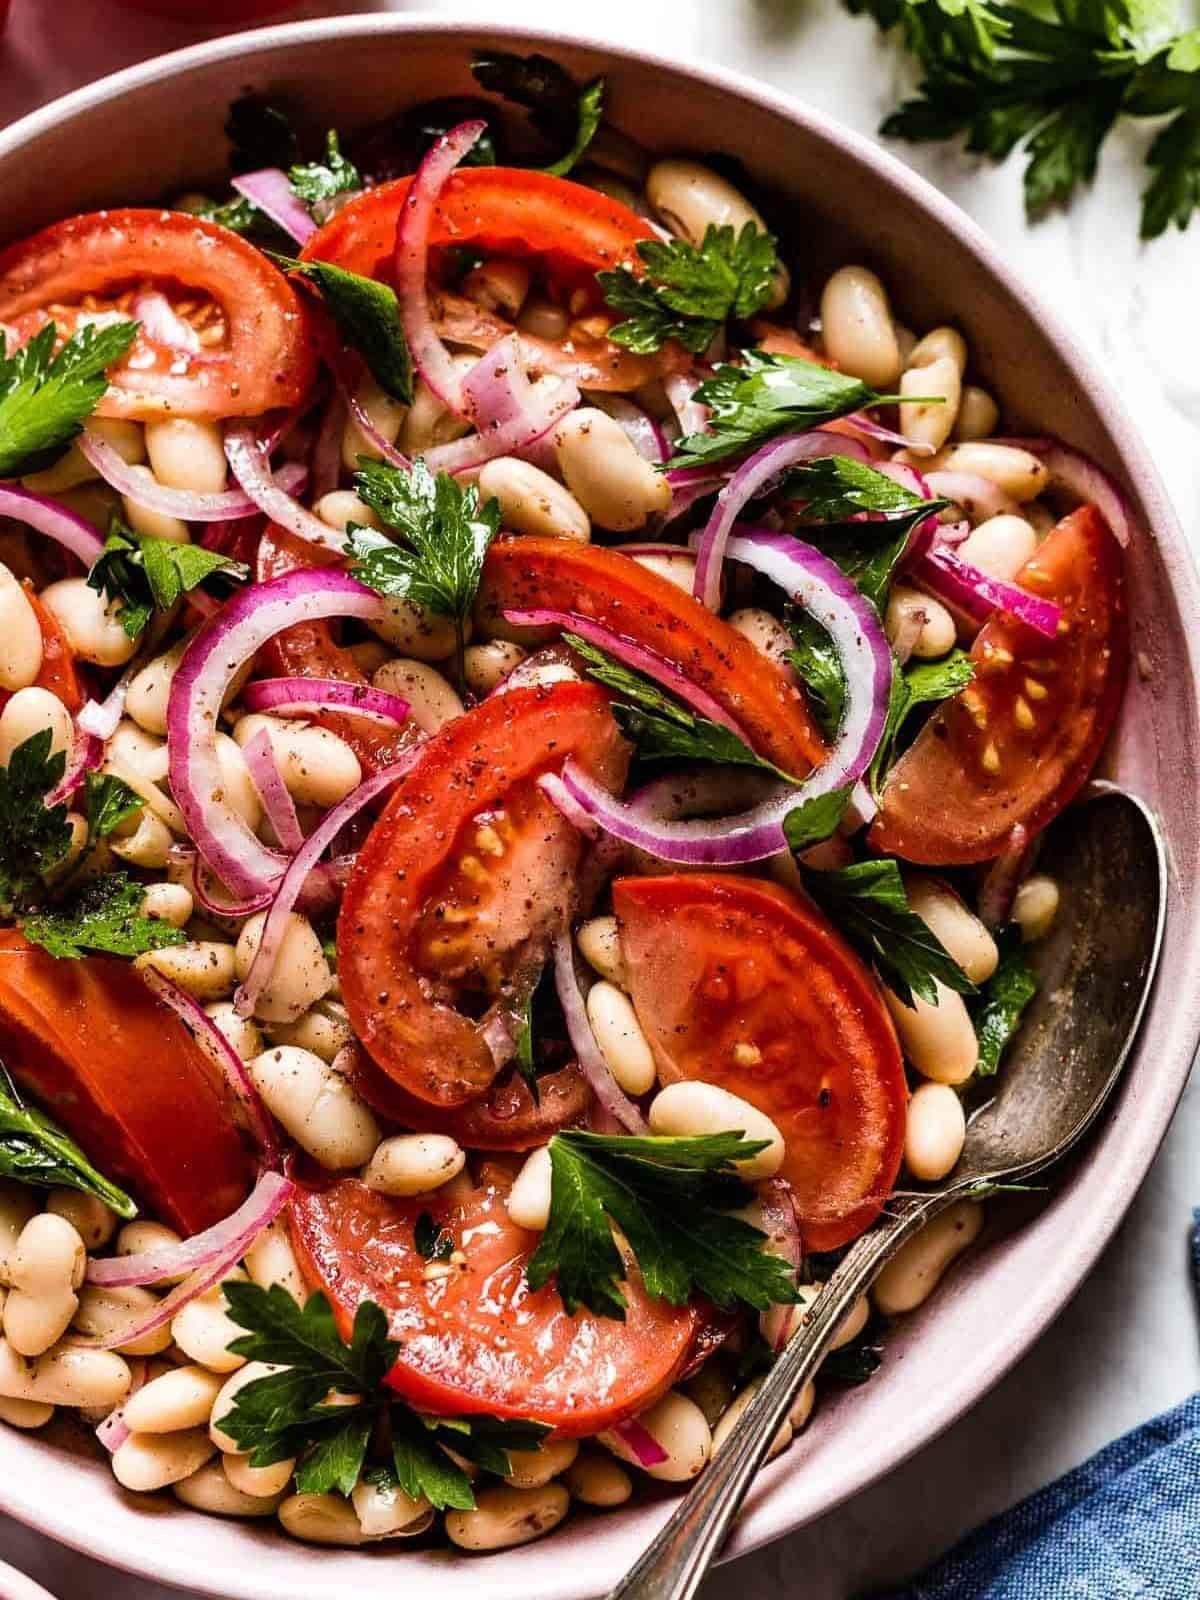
[(103, 916), (818, 665), (922, 683), (146, 575), (836, 488), (435, 1243), (316, 182), (671, 1199), (45, 399), (816, 819), (107, 802), (239, 215), (367, 314), (34, 1151), (261, 135), (868, 903), (289, 1414), (688, 292), (564, 113), (34, 838), (1002, 1002), (765, 396)]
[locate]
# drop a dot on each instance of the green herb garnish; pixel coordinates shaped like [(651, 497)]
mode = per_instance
[(144, 575), (34, 1150), (316, 182), (564, 113), (1002, 1002), (367, 314), (45, 399), (104, 917)]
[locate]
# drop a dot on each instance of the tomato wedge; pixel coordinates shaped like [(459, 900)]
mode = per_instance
[(736, 982), (101, 1055), (465, 877), (479, 1339), (262, 356), (309, 650), (1019, 742), (58, 671), (611, 588)]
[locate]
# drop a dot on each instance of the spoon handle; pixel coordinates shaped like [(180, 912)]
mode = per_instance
[(679, 1556)]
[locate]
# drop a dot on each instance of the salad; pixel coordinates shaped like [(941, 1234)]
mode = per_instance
[(525, 724)]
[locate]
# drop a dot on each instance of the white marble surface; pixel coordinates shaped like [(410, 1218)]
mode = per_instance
[(1129, 1345)]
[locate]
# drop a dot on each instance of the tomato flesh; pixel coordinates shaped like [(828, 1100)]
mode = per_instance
[(92, 264), (738, 983), (479, 1339), (610, 588), (115, 1067), (1016, 744), (462, 882)]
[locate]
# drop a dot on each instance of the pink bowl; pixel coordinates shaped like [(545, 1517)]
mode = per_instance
[(156, 129)]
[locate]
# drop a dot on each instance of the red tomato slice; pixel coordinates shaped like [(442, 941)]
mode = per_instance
[(479, 1339), (462, 882), (308, 650), (1019, 742), (106, 1059), (264, 357), (611, 588), (741, 984), (58, 671)]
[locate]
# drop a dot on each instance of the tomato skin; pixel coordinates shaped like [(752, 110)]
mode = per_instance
[(718, 961), (100, 1054), (611, 588), (480, 1340), (268, 360), (58, 671), (421, 892), (309, 650), (941, 806)]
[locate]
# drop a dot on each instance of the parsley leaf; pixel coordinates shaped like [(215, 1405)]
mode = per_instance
[(34, 1150), (446, 534), (662, 727), (671, 1199), (836, 488), (1002, 1002), (562, 112), (434, 1243), (688, 292), (260, 135), (105, 916), (107, 801), (818, 664), (922, 683), (146, 574), (367, 315), (766, 396), (34, 838), (868, 903), (45, 398), (815, 819), (239, 215), (316, 182)]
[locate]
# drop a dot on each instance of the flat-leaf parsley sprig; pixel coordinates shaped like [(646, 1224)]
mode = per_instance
[(45, 398)]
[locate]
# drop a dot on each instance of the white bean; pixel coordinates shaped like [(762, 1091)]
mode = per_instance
[(92, 1220), (204, 1330), (1000, 546), (71, 469), (851, 1325), (595, 1480), (137, 1237), (65, 1376), (676, 566), (1018, 472), (340, 507), (20, 635), (141, 752), (499, 285), (168, 902), (857, 329), (917, 1268), (934, 1133), (317, 767), (939, 1040), (187, 454), (965, 938), (387, 416), (537, 671), (91, 623), (148, 845), (152, 524), (320, 1519), (32, 711), (940, 344), (620, 1038), (208, 1489), (25, 1414), (530, 1469), (733, 1415), (428, 422), (414, 1163), (504, 1517), (978, 414), (317, 1106), (181, 1398), (264, 1483), (937, 632), (692, 1109), (1035, 907), (105, 1312), (802, 1406), (765, 632), (529, 1198), (487, 665), (300, 976), (17, 1205), (533, 502), (615, 486), (414, 631), (149, 1461), (150, 689), (46, 1270), (271, 1259), (928, 418), (599, 941), (242, 1033), (384, 1511), (688, 198), (678, 1426), (431, 701), (223, 1404), (203, 968), (323, 1031)]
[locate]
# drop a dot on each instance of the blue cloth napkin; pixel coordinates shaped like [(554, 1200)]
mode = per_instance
[(1123, 1526)]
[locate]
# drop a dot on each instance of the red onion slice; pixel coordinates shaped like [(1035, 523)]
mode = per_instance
[(1003, 878), (640, 1442), (430, 356), (1079, 475), (224, 1058), (875, 430), (228, 505), (510, 414), (303, 696), (583, 1041), (783, 1239), (114, 1430), (294, 878), (680, 388), (264, 1203), (277, 802), (87, 752), (201, 682), (754, 475), (162, 324), (818, 585), (270, 190), (55, 521), (638, 426), (945, 574), (250, 461), (325, 458)]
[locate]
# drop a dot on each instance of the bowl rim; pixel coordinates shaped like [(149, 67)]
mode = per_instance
[(773, 1516)]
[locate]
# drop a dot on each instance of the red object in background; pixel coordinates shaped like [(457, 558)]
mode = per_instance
[(199, 10), (3, 12)]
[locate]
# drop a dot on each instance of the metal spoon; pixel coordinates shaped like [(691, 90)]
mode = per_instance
[(1095, 970)]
